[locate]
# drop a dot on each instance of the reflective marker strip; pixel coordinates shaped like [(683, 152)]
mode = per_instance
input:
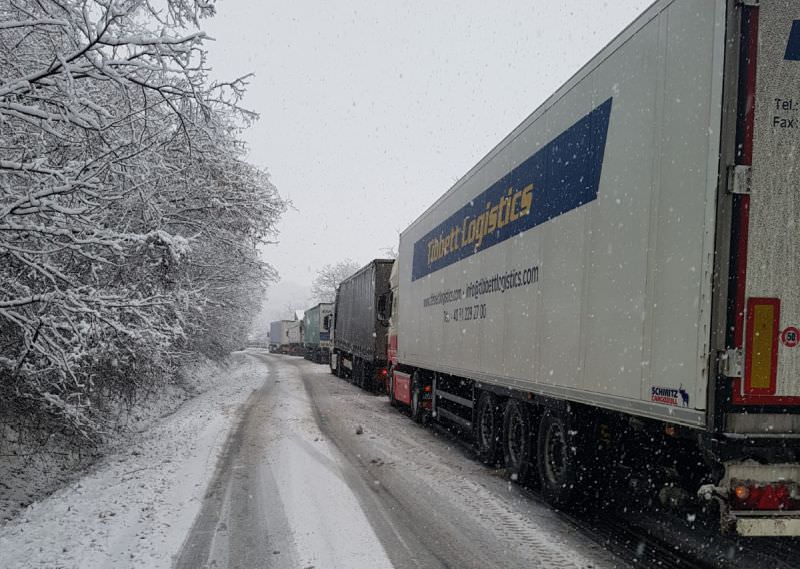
[(761, 369), (761, 356)]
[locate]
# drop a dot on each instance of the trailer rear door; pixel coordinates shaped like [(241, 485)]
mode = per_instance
[(768, 318)]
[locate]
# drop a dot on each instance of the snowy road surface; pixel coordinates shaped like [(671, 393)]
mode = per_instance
[(269, 471), (298, 487), (279, 498)]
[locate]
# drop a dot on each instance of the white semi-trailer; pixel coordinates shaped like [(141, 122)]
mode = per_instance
[(286, 336), (294, 333), (278, 337), (615, 287)]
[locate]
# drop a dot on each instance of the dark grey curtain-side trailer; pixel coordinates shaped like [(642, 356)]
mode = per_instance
[(612, 292), (359, 338)]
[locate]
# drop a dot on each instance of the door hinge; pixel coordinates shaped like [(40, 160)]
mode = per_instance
[(740, 179), (731, 362)]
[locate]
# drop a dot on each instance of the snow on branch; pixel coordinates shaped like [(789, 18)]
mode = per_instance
[(33, 23), (129, 221)]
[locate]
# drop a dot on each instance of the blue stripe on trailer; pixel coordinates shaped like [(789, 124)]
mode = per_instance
[(793, 47), (562, 176)]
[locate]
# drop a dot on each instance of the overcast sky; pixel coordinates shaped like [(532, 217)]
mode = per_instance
[(371, 110)]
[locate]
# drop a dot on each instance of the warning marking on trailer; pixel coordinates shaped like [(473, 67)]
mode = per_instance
[(790, 337)]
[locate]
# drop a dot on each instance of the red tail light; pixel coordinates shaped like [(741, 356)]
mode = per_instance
[(773, 497)]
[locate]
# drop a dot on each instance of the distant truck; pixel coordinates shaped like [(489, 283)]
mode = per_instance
[(612, 292), (294, 334), (277, 335), (317, 324), (359, 345), (286, 337)]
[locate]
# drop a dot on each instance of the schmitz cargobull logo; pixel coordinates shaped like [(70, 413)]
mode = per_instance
[(670, 395)]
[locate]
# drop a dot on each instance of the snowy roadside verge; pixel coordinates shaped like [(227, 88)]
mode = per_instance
[(137, 505), (33, 465)]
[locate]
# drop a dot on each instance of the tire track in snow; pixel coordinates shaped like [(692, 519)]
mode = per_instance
[(218, 536), (436, 497), (279, 498)]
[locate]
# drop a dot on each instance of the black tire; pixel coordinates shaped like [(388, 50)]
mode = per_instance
[(358, 372), (368, 376), (390, 387), (416, 398), (489, 428), (517, 444), (558, 459)]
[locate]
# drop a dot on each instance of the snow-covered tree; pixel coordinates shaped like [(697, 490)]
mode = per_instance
[(323, 288), (389, 252), (129, 219)]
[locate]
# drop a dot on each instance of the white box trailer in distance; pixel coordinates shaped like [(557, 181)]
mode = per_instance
[(278, 337), (286, 336), (628, 257), (294, 333)]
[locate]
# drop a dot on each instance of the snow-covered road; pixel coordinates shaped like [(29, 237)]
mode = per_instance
[(269, 470), (323, 475), (278, 498)]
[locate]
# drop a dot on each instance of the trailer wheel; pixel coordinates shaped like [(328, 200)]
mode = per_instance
[(390, 388), (517, 448), (558, 462), (358, 372), (368, 376), (488, 428)]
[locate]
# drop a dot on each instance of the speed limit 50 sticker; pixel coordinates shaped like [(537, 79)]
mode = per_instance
[(790, 337)]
